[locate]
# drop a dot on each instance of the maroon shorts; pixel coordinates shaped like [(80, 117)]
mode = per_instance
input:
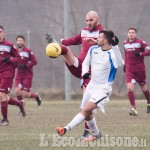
[(140, 77), (23, 83), (6, 85)]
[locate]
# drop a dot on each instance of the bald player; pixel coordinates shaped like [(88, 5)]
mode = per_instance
[(87, 37)]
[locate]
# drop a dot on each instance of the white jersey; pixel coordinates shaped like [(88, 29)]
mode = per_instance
[(104, 66)]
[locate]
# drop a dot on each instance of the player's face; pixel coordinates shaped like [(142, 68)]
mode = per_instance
[(101, 40), (131, 34), (92, 22), (20, 43), (1, 35)]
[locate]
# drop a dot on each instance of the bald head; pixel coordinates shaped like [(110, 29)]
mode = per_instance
[(92, 20), (92, 14)]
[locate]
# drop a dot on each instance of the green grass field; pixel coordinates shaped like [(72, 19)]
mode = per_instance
[(37, 130)]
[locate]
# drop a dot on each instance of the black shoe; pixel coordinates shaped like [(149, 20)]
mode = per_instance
[(148, 108), (4, 122), (39, 100), (50, 39), (22, 108)]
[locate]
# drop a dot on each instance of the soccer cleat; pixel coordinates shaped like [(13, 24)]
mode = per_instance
[(92, 137), (39, 100), (148, 108), (86, 133), (61, 131), (50, 39), (4, 122), (133, 112), (22, 108)]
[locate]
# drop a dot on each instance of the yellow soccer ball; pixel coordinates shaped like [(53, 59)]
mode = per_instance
[(53, 50)]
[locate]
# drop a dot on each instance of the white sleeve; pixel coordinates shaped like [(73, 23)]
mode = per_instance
[(86, 63), (118, 57)]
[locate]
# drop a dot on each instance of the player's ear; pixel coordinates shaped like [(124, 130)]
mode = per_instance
[(105, 40)]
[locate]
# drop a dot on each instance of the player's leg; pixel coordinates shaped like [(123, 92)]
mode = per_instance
[(130, 80), (27, 83), (86, 97), (146, 93), (99, 99), (130, 88), (18, 103), (84, 83), (68, 55), (80, 117), (5, 87), (141, 78), (18, 88), (91, 122), (4, 109), (18, 93)]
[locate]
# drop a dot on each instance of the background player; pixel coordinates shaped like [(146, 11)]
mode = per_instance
[(24, 75), (87, 37), (8, 60), (102, 60), (135, 50)]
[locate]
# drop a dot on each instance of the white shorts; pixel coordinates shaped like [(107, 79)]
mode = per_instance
[(98, 95)]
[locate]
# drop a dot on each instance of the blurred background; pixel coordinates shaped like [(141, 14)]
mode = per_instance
[(35, 18)]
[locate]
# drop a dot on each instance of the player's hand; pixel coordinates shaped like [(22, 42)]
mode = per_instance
[(86, 76), (137, 54), (124, 68), (115, 41), (22, 66), (90, 41), (6, 59)]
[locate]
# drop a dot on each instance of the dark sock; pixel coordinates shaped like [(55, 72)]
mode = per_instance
[(132, 99), (19, 97), (85, 125), (147, 96), (13, 101), (64, 50), (4, 109)]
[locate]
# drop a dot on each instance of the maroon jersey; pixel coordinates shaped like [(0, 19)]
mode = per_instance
[(27, 58), (7, 49), (133, 62), (79, 39)]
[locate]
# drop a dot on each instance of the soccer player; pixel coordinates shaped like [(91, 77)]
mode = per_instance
[(103, 62), (8, 59), (24, 75), (87, 37), (135, 51)]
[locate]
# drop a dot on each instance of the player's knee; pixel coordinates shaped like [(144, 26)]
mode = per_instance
[(24, 94), (130, 89), (144, 88), (18, 91), (86, 111)]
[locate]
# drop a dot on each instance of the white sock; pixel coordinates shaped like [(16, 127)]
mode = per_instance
[(92, 126), (75, 121)]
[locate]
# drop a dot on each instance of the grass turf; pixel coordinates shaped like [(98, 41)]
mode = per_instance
[(37, 130)]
